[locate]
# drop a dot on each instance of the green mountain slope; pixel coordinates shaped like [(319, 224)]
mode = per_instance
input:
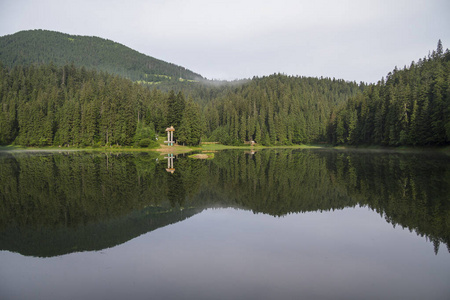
[(412, 107), (42, 47)]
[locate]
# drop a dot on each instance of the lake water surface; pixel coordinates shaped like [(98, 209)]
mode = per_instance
[(272, 224)]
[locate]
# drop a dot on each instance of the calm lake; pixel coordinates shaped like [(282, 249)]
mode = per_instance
[(271, 224)]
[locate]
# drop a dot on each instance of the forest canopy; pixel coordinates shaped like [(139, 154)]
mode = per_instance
[(49, 105), (44, 103), (410, 107)]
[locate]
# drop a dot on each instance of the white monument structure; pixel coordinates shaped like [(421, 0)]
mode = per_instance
[(170, 131)]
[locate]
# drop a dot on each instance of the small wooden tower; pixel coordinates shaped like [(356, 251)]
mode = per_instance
[(170, 131)]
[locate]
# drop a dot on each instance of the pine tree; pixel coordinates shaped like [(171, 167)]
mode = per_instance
[(258, 135), (175, 109), (190, 129)]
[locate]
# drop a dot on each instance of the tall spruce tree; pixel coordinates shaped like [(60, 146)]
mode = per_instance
[(175, 109)]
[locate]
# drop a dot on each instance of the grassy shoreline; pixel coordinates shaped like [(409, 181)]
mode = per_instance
[(161, 148), (178, 149), (399, 149)]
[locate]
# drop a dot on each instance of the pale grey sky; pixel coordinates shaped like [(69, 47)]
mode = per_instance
[(358, 40)]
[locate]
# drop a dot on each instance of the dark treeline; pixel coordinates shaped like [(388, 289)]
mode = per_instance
[(48, 105), (410, 107), (45, 105), (68, 195), (277, 109)]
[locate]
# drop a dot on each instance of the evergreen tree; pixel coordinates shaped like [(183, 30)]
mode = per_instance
[(175, 109)]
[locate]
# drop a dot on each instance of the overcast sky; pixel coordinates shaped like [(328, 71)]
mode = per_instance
[(356, 40)]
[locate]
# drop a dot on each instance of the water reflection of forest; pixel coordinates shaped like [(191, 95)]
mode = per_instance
[(53, 204)]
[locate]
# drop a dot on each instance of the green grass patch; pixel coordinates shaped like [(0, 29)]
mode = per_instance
[(188, 80), (161, 76), (11, 147), (208, 155), (148, 82), (214, 147)]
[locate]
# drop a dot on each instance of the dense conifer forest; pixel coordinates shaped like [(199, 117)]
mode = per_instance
[(410, 107), (49, 105), (277, 110), (45, 103)]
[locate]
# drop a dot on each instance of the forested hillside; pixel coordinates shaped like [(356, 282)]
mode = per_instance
[(277, 109), (44, 47), (410, 107), (45, 103), (49, 105)]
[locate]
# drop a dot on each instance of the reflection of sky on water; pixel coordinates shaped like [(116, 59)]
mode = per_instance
[(229, 254)]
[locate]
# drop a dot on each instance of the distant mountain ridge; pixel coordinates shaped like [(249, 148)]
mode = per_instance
[(43, 47)]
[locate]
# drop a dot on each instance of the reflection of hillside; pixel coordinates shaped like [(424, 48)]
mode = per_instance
[(47, 242), (410, 190), (277, 182), (56, 204), (53, 204)]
